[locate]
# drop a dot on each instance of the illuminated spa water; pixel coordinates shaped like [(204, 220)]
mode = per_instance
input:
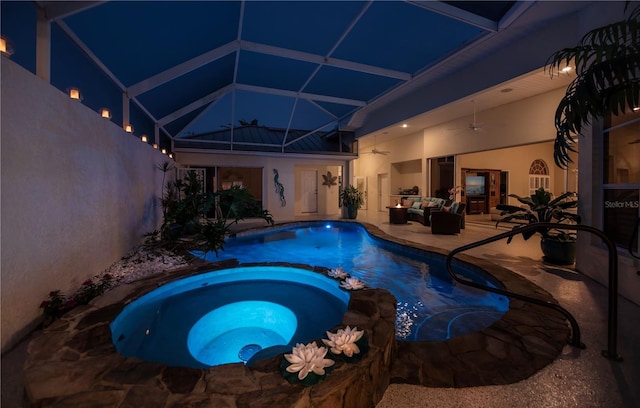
[(430, 305), (229, 316)]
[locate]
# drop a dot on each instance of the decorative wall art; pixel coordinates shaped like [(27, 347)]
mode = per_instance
[(329, 179), (279, 187)]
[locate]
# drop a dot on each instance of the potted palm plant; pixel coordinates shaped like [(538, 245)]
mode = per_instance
[(557, 246), (352, 198)]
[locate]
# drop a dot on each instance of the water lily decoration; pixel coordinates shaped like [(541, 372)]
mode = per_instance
[(352, 284), (344, 341), (338, 273), (309, 362)]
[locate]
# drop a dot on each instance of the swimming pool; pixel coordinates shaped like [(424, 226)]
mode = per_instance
[(228, 316), (431, 307)]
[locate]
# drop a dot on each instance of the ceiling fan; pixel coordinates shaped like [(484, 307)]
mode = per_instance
[(475, 126), (375, 150)]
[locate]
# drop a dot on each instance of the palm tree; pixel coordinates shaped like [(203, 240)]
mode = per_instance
[(607, 61)]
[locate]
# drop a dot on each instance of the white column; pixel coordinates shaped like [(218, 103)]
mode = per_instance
[(43, 46), (125, 110), (156, 133)]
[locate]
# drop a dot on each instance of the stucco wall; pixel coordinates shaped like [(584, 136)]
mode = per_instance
[(289, 173), (407, 148), (77, 194)]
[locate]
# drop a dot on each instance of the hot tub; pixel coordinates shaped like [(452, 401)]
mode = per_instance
[(228, 316)]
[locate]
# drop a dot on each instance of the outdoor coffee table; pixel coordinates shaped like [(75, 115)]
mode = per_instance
[(397, 215)]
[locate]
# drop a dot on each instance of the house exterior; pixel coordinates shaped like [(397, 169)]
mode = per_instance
[(78, 192)]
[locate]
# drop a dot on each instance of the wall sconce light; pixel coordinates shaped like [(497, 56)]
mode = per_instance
[(171, 155), (6, 46), (164, 151), (105, 113), (155, 145), (128, 128), (74, 93), (144, 138)]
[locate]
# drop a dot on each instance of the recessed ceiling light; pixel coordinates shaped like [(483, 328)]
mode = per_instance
[(404, 125), (566, 69)]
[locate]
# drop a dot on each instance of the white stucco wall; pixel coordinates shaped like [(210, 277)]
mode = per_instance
[(407, 148), (77, 194), (289, 171)]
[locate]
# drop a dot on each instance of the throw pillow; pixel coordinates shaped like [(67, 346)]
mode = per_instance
[(447, 209), (433, 204), (416, 205)]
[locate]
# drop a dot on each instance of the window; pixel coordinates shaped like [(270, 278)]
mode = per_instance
[(539, 176), (621, 178)]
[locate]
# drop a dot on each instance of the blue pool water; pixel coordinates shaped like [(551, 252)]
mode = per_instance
[(229, 316), (430, 305)]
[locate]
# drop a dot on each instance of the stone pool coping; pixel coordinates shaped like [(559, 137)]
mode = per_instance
[(74, 362)]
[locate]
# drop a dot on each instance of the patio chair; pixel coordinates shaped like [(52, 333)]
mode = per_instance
[(448, 222)]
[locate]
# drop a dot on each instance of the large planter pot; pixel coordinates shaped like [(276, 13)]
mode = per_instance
[(558, 252), (352, 212)]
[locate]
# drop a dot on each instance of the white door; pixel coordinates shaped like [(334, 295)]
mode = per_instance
[(361, 184), (309, 191), (383, 192)]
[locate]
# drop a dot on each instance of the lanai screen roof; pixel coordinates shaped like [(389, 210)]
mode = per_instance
[(208, 70)]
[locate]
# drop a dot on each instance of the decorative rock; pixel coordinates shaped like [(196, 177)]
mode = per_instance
[(181, 380), (55, 379), (94, 341), (231, 379), (95, 399), (144, 396), (134, 371)]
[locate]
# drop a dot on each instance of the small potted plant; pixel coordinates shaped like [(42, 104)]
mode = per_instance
[(352, 198), (558, 246)]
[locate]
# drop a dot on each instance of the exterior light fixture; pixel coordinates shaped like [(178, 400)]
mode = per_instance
[(128, 128), (105, 113), (74, 93), (6, 46), (171, 155), (164, 151), (155, 145), (144, 138)]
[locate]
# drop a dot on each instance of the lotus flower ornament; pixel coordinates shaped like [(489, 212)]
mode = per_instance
[(307, 359), (344, 341), (338, 273), (352, 284)]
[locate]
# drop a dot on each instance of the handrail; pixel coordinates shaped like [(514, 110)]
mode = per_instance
[(612, 328)]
